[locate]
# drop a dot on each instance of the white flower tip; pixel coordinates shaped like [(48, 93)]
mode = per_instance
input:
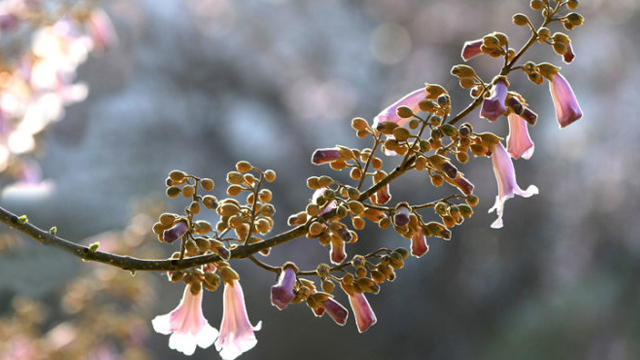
[(206, 336), (161, 324), (531, 190), (497, 224)]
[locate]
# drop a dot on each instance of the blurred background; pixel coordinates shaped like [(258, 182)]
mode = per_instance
[(200, 84)]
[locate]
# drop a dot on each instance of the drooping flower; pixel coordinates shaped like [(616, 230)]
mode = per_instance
[(419, 245), (567, 107), (186, 324), (338, 313), (236, 332), (362, 311), (177, 231), (337, 251), (493, 106), (401, 217), (507, 185), (381, 196), (519, 143), (282, 292), (569, 55), (471, 49), (321, 156), (411, 100)]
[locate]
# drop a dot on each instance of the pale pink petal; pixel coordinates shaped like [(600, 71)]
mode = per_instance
[(519, 143), (507, 185), (236, 332), (282, 292), (411, 100), (419, 245), (471, 49), (493, 106), (362, 311)]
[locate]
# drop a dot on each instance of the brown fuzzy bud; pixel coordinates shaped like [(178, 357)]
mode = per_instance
[(520, 19), (234, 190), (404, 112), (265, 195), (167, 220), (173, 191), (202, 227), (472, 200), (243, 166), (270, 175), (463, 71), (210, 202), (327, 286), (401, 134), (177, 175), (359, 124)]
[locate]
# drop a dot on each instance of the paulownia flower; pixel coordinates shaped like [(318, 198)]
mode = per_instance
[(493, 106), (338, 313), (567, 107), (519, 142), (236, 332), (321, 156), (411, 100), (176, 232), (282, 292), (186, 324), (507, 185), (362, 311), (419, 245), (471, 49)]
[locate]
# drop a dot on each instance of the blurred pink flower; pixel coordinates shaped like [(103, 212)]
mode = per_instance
[(519, 142), (282, 292), (101, 30), (236, 332), (493, 106), (567, 107), (186, 324), (507, 185), (362, 311)]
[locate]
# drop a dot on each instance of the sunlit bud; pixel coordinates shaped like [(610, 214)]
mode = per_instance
[(175, 276), (449, 221), (323, 270), (177, 175), (520, 19), (167, 219), (355, 173), (249, 179), (448, 130), (356, 207), (401, 134), (428, 106), (263, 226), (270, 175), (207, 184), (173, 191), (465, 210), (315, 229), (397, 261), (235, 177), (434, 91), (228, 274), (572, 4), (234, 190), (359, 124), (463, 71), (462, 184), (324, 181), (491, 41), (188, 191), (194, 207), (502, 38), (176, 232), (536, 78), (575, 19), (202, 227), (228, 209), (441, 208), (536, 4), (472, 200), (327, 285), (243, 166), (437, 180), (438, 230), (467, 83), (462, 157), (560, 48), (384, 223), (420, 163), (210, 202), (404, 112)]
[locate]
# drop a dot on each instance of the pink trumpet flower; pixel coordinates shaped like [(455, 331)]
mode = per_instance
[(411, 100), (419, 245), (186, 324), (569, 55), (519, 142), (337, 251), (471, 49), (362, 311), (507, 185), (493, 106), (567, 107), (236, 332), (282, 292), (337, 312)]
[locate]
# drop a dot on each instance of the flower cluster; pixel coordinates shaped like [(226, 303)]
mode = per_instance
[(42, 44)]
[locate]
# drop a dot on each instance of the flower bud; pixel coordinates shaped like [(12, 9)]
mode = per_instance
[(207, 184), (520, 19), (243, 166), (270, 175)]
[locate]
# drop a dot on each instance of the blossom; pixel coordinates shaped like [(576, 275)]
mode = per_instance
[(282, 292), (419, 245), (519, 142), (507, 185), (568, 56), (471, 49), (401, 217), (337, 312), (328, 207), (337, 250), (186, 324), (493, 106), (411, 100), (236, 332), (381, 196), (176, 232), (567, 107), (321, 156), (362, 311)]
